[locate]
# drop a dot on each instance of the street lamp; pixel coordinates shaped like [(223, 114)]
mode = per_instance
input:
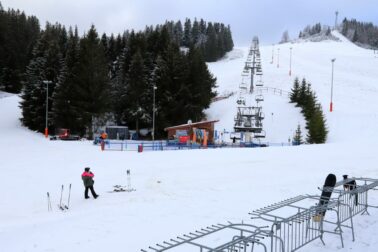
[(153, 113), (336, 13), (290, 61), (47, 107), (331, 104), (278, 58)]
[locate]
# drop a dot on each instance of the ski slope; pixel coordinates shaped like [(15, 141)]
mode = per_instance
[(180, 191)]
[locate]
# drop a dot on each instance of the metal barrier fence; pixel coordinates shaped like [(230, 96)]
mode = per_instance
[(356, 199), (114, 145), (275, 91), (293, 223)]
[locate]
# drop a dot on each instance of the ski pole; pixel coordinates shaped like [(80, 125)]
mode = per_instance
[(49, 208), (69, 196), (61, 196), (128, 180)]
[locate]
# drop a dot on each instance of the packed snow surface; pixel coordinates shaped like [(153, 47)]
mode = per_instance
[(180, 191)]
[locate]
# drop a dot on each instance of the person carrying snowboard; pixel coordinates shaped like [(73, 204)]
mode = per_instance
[(88, 181)]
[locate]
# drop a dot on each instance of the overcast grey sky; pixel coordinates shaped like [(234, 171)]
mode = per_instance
[(267, 19)]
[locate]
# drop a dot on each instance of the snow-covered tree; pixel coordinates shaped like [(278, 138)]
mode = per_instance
[(187, 39), (65, 107), (92, 86), (44, 69), (285, 37)]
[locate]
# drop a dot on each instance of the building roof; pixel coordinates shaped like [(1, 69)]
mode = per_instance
[(190, 125)]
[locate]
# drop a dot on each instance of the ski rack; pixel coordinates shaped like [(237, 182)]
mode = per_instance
[(241, 236), (296, 224), (287, 231)]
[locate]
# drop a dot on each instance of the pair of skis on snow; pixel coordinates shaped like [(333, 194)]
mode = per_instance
[(120, 188), (61, 205)]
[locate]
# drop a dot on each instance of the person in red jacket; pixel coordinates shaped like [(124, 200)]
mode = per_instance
[(88, 181)]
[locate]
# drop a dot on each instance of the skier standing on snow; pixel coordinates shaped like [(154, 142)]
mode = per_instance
[(87, 177)]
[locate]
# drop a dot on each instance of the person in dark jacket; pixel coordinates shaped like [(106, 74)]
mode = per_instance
[(88, 181)]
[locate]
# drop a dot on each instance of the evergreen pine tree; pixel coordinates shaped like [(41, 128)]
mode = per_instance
[(294, 95), (309, 103), (65, 110), (229, 41), (297, 139), (201, 84), (195, 32), (173, 89), (92, 82), (105, 45), (33, 96), (302, 95), (344, 29), (112, 48), (178, 33), (43, 70), (211, 50), (160, 78), (18, 36), (355, 36), (119, 90), (187, 39), (137, 94), (317, 129), (285, 37)]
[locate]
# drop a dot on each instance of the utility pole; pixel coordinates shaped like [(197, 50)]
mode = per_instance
[(290, 61), (278, 58), (331, 104), (153, 113), (253, 70), (47, 107)]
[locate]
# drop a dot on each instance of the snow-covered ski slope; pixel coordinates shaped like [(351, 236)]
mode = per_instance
[(355, 80), (180, 191)]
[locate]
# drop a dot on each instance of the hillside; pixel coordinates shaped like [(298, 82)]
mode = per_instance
[(180, 191), (354, 115)]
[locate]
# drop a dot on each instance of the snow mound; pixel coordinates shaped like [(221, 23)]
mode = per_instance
[(5, 94), (234, 54)]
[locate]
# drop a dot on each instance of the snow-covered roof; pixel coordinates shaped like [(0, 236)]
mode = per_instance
[(191, 124)]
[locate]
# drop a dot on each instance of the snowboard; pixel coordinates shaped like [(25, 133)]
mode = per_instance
[(328, 186)]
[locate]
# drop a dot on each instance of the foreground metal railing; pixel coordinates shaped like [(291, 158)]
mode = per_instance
[(296, 220), (238, 237), (292, 223)]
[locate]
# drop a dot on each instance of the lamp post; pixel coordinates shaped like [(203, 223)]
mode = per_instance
[(278, 58), (336, 13), (153, 113), (331, 104), (47, 107), (290, 61)]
